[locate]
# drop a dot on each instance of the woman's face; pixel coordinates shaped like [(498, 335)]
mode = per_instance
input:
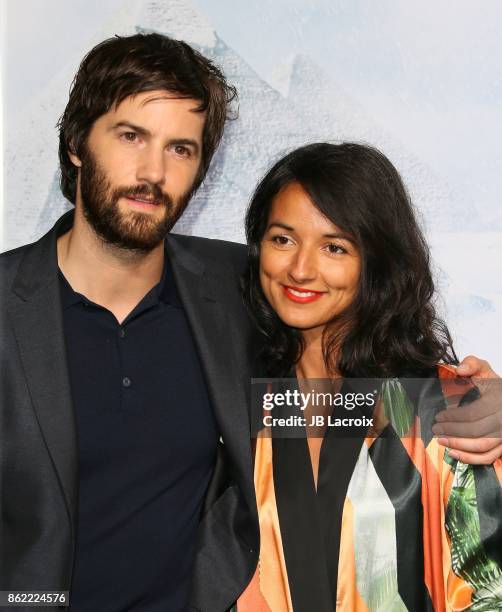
[(309, 268)]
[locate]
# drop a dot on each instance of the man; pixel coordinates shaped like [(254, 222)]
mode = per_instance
[(126, 356)]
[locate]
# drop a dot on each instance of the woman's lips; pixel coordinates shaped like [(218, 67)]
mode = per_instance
[(301, 296)]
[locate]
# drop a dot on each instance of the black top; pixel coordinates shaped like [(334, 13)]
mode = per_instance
[(147, 440)]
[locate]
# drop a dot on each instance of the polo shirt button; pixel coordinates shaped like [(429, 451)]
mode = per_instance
[(126, 382), (122, 333)]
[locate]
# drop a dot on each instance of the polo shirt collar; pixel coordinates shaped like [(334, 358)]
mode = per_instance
[(164, 291)]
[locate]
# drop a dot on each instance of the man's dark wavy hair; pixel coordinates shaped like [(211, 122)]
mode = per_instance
[(391, 326), (123, 66)]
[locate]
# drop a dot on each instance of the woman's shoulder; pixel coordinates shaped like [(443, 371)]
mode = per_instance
[(447, 371), (440, 370)]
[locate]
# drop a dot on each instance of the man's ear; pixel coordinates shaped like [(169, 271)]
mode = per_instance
[(74, 158)]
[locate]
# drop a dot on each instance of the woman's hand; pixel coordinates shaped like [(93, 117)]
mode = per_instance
[(473, 432)]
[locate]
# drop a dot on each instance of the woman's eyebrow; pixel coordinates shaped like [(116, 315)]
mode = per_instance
[(339, 235), (281, 225), (336, 235)]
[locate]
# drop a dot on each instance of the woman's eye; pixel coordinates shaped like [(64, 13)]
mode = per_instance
[(335, 249), (281, 240)]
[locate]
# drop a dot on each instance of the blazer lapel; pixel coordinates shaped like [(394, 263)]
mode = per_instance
[(35, 313), (221, 349)]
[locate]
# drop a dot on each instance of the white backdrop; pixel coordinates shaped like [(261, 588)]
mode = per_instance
[(420, 80)]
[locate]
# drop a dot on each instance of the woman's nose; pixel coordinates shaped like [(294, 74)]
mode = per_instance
[(303, 266)]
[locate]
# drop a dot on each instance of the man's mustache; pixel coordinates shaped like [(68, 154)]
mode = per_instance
[(153, 192)]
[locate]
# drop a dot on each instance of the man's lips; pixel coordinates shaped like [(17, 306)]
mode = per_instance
[(142, 201), (301, 296)]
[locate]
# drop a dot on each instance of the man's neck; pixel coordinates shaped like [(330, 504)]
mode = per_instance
[(111, 277)]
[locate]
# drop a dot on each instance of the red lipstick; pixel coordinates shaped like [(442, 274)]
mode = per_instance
[(301, 296)]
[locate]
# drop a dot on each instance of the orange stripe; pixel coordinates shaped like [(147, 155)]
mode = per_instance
[(497, 466), (433, 515), (269, 589), (348, 598), (459, 593)]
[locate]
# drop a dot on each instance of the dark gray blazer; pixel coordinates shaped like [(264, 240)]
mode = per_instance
[(38, 453)]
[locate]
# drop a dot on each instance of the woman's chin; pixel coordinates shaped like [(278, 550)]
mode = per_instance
[(302, 324)]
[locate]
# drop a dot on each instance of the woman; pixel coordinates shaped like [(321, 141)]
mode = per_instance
[(382, 518)]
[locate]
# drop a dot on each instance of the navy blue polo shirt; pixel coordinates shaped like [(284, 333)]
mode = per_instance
[(147, 444)]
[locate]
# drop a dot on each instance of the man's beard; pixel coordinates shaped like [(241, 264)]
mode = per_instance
[(132, 231)]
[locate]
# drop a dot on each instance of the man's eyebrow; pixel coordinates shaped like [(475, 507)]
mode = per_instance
[(188, 142), (131, 126)]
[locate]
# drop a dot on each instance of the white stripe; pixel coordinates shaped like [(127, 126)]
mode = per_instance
[(374, 538)]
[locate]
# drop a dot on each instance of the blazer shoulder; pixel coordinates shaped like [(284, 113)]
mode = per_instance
[(9, 263), (7, 257), (217, 251)]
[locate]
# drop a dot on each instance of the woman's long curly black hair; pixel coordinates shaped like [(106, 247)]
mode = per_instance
[(391, 327)]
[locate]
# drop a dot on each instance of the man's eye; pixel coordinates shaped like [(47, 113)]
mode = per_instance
[(182, 150), (129, 136)]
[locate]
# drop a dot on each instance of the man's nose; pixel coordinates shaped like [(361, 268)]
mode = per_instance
[(152, 166)]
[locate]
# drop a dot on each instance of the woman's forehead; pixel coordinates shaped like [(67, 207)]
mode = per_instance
[(293, 207)]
